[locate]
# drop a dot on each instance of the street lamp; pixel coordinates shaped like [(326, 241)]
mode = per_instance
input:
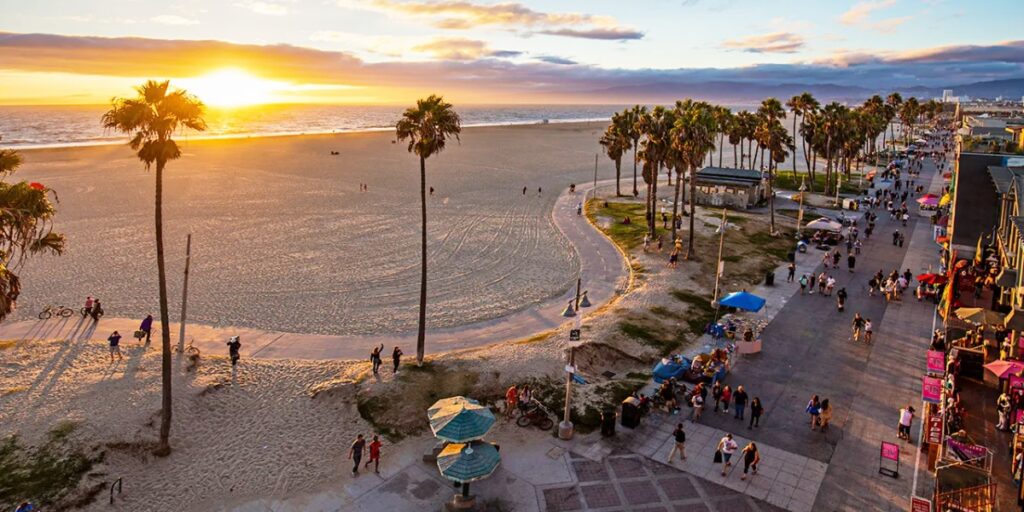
[(800, 213), (565, 428)]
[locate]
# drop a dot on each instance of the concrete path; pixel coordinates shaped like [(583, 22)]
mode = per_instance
[(604, 271)]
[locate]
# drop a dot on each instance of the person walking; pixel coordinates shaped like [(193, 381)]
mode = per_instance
[(726, 398), (234, 344), (756, 410), (727, 446), (857, 325), (375, 454), (791, 272), (1003, 408), (115, 346), (396, 359), (375, 358), (803, 284), (147, 326), (97, 310), (739, 398), (851, 262), (355, 453), (810, 285), (869, 333), (906, 419), (511, 401), (825, 415), (87, 310), (680, 443), (716, 394), (697, 402), (814, 410), (751, 458), (841, 300)]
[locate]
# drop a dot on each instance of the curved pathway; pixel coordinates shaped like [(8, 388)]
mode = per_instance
[(604, 270)]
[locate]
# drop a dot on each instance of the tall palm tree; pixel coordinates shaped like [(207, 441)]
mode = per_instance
[(26, 227), (723, 121), (894, 101), (152, 118), (693, 136), (908, 114), (655, 126), (632, 119), (802, 105), (615, 144), (427, 127)]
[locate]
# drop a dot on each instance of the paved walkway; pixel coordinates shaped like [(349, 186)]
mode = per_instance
[(604, 270)]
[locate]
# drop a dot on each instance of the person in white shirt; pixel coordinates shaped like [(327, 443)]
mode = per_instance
[(728, 447), (906, 418)]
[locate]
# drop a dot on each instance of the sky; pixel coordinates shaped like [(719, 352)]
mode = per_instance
[(482, 51)]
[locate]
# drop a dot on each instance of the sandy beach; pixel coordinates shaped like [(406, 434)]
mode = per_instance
[(283, 239)]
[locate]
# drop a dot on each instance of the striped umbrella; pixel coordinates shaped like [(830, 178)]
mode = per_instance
[(468, 462), (445, 403), (460, 422)]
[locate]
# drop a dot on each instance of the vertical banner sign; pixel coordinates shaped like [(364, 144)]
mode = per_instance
[(920, 505), (936, 362), (889, 452), (931, 389), (933, 434)]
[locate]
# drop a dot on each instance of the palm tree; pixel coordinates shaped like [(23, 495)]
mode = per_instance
[(723, 121), (802, 105), (908, 116), (772, 136), (654, 151), (893, 101), (631, 121), (427, 126), (693, 136), (615, 144), (152, 118), (26, 228)]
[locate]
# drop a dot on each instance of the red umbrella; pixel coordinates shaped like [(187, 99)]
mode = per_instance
[(932, 278), (1004, 369), (927, 197)]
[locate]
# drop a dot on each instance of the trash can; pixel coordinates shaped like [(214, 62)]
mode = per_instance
[(769, 278), (608, 423), (630, 413)]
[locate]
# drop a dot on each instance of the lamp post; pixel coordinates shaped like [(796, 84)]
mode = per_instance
[(565, 428), (800, 212)]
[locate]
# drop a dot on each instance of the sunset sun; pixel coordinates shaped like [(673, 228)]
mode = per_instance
[(233, 88)]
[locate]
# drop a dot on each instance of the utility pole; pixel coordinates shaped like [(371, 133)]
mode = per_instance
[(184, 295), (595, 175), (718, 267), (565, 428)]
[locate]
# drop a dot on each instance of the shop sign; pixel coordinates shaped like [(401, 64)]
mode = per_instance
[(964, 451), (933, 432), (920, 505), (936, 362), (931, 390)]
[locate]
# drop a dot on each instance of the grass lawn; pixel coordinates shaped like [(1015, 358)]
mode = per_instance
[(627, 236), (47, 473), (784, 180), (808, 216)]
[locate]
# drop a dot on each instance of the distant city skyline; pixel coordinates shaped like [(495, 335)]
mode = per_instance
[(386, 51)]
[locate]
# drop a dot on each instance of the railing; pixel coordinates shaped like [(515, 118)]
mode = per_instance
[(116, 483), (981, 498)]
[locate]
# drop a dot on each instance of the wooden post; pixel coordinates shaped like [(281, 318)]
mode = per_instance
[(184, 295)]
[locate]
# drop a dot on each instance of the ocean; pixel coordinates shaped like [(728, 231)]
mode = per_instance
[(56, 126)]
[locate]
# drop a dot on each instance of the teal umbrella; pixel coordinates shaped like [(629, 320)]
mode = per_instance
[(448, 402), (461, 421), (468, 462)]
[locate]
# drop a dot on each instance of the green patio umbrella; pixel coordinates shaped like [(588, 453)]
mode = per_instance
[(468, 462), (445, 403), (460, 421)]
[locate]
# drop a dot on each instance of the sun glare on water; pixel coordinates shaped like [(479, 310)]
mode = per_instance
[(233, 88)]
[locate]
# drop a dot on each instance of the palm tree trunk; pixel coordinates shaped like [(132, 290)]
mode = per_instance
[(721, 142), (693, 210), (675, 205), (618, 176), (636, 191), (771, 194), (654, 199), (735, 159), (164, 446), (421, 331)]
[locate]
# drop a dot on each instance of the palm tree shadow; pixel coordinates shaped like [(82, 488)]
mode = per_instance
[(57, 358), (32, 332), (134, 361), (70, 351)]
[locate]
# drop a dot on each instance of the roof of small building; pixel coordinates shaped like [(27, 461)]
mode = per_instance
[(729, 175), (1002, 177)]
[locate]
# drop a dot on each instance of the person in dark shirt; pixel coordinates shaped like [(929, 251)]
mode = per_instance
[(680, 439), (234, 344), (739, 398), (115, 348)]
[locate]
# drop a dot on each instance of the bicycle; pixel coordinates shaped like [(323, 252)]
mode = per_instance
[(536, 415), (50, 311)]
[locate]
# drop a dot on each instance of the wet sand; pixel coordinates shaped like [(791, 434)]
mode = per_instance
[(283, 239)]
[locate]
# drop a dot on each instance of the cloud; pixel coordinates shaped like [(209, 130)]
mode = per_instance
[(460, 48), (172, 19), (496, 79), (264, 8), (776, 42), (550, 59), (465, 14), (860, 11)]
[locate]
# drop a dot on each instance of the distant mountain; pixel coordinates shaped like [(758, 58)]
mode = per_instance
[(742, 93)]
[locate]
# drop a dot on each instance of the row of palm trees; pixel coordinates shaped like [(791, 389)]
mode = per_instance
[(841, 135)]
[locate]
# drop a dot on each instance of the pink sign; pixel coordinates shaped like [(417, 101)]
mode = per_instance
[(931, 389), (1016, 382), (936, 361), (890, 451)]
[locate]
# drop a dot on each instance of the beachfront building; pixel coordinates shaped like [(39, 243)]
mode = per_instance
[(730, 187)]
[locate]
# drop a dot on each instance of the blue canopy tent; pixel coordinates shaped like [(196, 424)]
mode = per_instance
[(743, 300)]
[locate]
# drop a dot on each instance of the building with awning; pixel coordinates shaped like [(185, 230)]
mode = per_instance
[(731, 187)]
